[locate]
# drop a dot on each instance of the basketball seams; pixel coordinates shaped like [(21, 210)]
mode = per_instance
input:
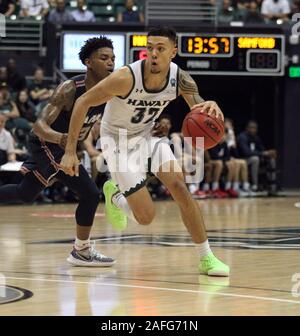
[(217, 120), (199, 124), (203, 130)]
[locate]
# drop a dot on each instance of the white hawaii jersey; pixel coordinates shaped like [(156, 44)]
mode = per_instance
[(138, 111)]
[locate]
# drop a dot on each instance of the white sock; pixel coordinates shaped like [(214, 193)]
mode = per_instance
[(246, 186), (193, 187), (205, 186), (81, 244), (203, 249), (120, 201), (215, 186), (236, 186), (227, 185)]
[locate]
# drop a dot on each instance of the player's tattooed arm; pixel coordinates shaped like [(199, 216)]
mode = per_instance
[(189, 91), (62, 99)]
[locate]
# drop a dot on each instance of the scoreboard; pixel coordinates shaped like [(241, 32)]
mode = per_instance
[(221, 54), (238, 54)]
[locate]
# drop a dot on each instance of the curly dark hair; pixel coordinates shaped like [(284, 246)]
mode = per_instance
[(92, 45)]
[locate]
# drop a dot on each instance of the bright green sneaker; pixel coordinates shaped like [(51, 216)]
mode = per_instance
[(211, 265), (115, 216)]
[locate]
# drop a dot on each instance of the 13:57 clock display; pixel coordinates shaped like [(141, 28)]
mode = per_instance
[(206, 45)]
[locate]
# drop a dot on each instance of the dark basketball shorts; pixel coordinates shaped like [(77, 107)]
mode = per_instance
[(44, 160)]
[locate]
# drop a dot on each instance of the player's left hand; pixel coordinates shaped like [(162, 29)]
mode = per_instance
[(211, 108), (160, 130), (70, 164)]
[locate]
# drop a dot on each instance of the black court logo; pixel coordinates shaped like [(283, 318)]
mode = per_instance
[(9, 294), (254, 238)]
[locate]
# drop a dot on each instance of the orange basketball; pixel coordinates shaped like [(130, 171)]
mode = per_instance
[(199, 124)]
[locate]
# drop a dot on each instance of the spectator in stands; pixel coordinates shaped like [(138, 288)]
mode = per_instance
[(82, 14), (275, 9), (34, 8), (7, 153), (130, 15), (226, 13), (165, 125), (221, 153), (253, 15), (243, 5), (241, 167), (26, 107), (213, 176), (207, 175), (90, 147), (21, 141), (186, 157), (162, 129), (251, 148), (39, 90), (295, 7), (60, 14), (9, 108), (14, 79), (7, 7), (3, 76), (52, 3)]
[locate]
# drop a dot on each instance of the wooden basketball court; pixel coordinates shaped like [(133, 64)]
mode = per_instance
[(156, 272)]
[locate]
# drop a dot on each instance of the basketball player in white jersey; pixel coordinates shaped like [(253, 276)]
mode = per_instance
[(136, 95)]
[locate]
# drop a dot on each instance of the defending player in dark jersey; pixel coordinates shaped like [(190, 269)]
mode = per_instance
[(47, 143)]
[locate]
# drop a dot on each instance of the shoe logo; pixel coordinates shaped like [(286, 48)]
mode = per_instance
[(81, 257)]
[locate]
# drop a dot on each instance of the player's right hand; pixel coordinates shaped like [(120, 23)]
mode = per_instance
[(211, 108), (70, 164)]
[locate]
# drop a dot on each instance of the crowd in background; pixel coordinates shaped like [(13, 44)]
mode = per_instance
[(256, 11), (63, 11), (239, 166)]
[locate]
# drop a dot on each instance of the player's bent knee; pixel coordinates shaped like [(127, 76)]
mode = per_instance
[(94, 194), (178, 188), (92, 197), (146, 217)]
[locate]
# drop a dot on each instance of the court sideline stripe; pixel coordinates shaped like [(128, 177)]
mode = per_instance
[(156, 280), (263, 298)]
